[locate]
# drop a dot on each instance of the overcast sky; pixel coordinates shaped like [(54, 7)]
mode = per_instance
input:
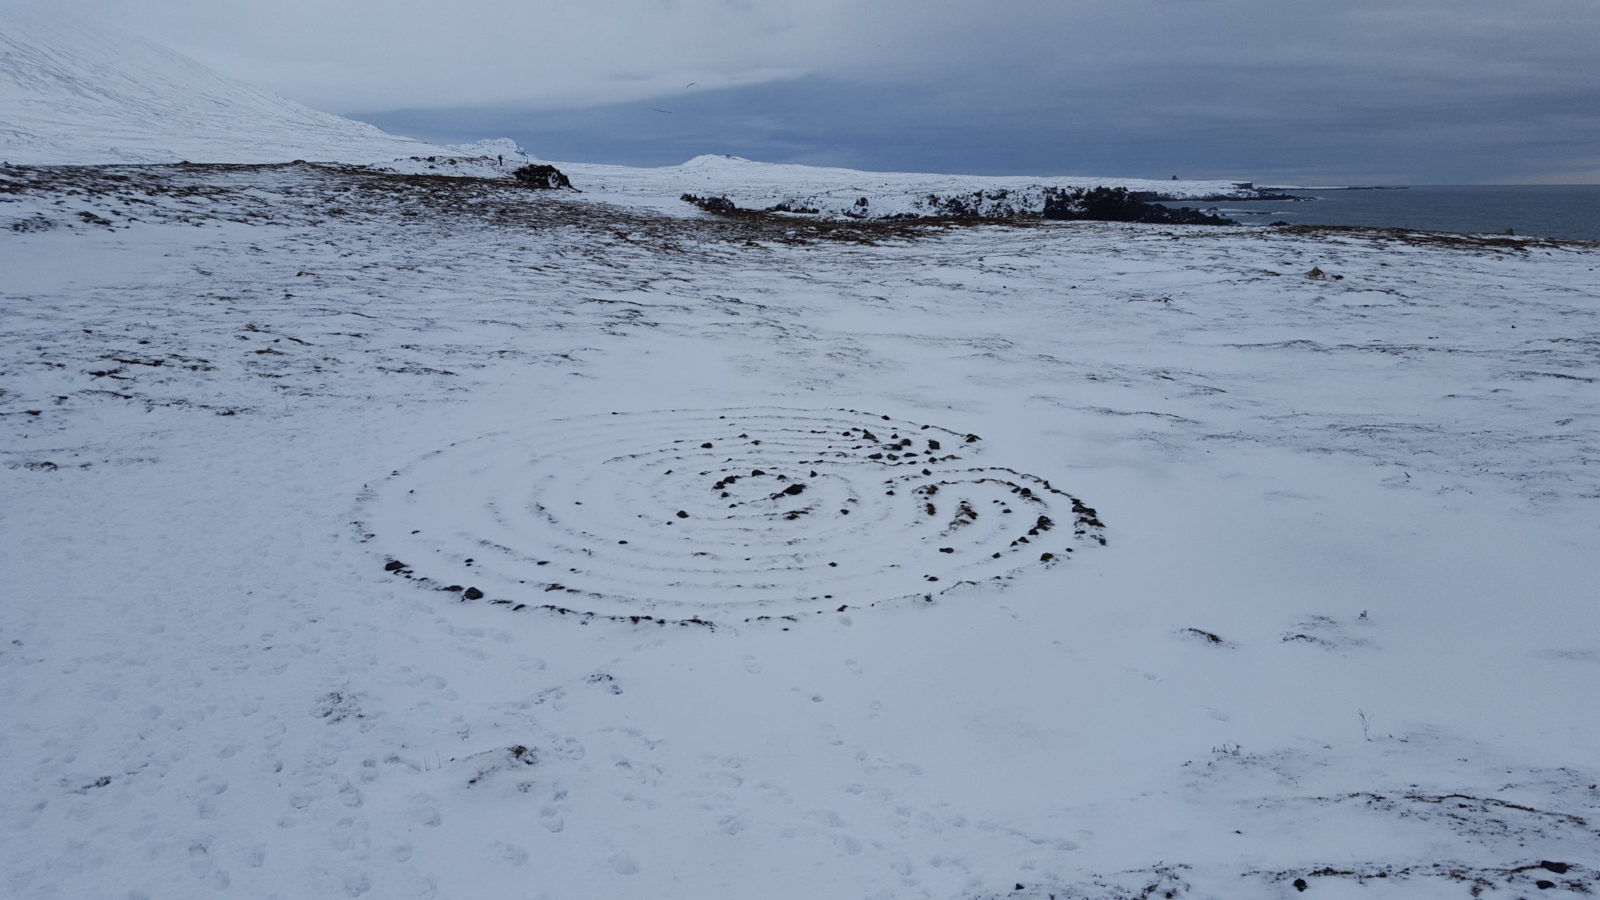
[(1396, 91)]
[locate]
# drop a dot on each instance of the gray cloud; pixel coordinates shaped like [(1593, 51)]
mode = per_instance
[(1406, 89)]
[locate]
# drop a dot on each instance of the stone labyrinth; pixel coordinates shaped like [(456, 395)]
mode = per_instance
[(696, 516)]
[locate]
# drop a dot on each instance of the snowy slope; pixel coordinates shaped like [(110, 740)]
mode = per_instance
[(74, 93), (268, 433)]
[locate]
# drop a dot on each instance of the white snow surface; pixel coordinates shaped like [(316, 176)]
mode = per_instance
[(73, 92), (269, 431)]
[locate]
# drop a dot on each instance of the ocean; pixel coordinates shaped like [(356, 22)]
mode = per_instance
[(1570, 212)]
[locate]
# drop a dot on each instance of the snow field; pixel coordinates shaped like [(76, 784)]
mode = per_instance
[(1375, 492)]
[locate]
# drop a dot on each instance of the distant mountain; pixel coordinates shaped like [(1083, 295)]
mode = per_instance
[(74, 93)]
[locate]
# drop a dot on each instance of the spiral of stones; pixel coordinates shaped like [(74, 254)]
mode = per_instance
[(699, 516)]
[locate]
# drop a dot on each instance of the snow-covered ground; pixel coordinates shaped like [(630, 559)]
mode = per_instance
[(804, 190), (756, 185), (269, 433)]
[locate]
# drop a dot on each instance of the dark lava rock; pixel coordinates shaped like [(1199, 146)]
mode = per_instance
[(1560, 868), (1118, 204), (472, 593), (682, 514), (393, 565), (710, 204), (1300, 884), (544, 178)]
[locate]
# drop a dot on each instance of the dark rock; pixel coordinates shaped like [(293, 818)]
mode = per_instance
[(1300, 884), (472, 593), (710, 204), (1118, 204), (545, 178), (1560, 868)]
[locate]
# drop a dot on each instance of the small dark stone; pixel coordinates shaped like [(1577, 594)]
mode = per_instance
[(1544, 885), (1046, 557), (393, 565), (472, 593), (794, 489), (706, 446), (682, 514), (1300, 884), (1560, 868), (947, 549)]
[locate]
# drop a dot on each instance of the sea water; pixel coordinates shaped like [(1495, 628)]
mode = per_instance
[(1569, 212)]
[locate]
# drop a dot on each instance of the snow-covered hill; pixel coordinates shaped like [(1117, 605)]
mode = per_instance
[(72, 93)]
